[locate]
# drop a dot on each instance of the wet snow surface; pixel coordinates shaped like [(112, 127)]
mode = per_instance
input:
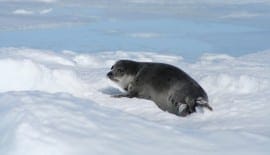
[(54, 103)]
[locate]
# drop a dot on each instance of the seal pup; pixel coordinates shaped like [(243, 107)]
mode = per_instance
[(169, 87)]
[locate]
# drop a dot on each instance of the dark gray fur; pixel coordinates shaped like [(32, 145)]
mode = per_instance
[(168, 86)]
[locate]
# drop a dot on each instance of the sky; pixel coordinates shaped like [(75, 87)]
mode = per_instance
[(188, 28)]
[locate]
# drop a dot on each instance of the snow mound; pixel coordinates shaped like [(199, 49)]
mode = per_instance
[(59, 103), (25, 74), (242, 84)]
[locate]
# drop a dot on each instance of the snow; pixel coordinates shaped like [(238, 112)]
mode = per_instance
[(30, 12), (54, 103), (46, 11), (23, 12)]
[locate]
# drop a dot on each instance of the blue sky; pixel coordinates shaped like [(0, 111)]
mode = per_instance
[(188, 28)]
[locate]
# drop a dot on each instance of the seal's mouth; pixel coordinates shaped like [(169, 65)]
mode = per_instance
[(115, 80), (110, 76)]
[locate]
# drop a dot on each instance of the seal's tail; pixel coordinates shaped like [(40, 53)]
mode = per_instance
[(203, 103)]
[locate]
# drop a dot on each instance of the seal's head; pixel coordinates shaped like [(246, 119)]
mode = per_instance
[(123, 72)]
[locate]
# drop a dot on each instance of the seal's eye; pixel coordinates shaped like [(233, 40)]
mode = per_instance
[(112, 68), (120, 70)]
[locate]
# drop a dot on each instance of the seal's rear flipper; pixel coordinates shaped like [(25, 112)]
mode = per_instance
[(203, 103)]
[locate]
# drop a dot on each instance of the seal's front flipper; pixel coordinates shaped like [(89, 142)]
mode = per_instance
[(124, 95), (119, 95)]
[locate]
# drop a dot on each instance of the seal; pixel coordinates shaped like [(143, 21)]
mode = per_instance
[(169, 87)]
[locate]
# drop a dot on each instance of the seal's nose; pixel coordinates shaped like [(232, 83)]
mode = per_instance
[(109, 74)]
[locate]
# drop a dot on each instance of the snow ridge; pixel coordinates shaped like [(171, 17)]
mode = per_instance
[(59, 103)]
